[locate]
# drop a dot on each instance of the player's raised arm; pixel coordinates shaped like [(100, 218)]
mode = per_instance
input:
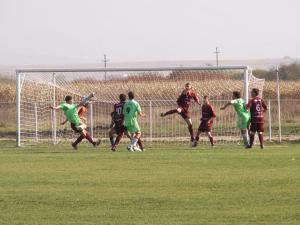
[(196, 98), (225, 106), (55, 107)]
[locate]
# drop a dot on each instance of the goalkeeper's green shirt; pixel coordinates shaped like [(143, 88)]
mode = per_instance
[(70, 111), (130, 111), (242, 112)]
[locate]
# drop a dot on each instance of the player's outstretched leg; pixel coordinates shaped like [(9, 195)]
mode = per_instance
[(169, 112), (90, 139)]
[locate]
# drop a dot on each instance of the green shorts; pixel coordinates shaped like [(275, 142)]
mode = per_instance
[(134, 128), (243, 122)]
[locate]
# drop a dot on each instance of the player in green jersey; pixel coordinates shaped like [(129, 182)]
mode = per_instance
[(70, 111), (131, 110), (243, 114)]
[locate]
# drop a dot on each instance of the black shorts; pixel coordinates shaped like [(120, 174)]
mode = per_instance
[(77, 129), (120, 129), (205, 127)]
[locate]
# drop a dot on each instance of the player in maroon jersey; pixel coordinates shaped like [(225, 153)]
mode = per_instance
[(184, 101), (208, 114), (117, 125), (257, 108)]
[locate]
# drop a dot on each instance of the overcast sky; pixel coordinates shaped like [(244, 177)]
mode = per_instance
[(81, 31)]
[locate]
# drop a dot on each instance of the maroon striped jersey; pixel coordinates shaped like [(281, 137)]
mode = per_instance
[(117, 114), (207, 112), (257, 107), (185, 99)]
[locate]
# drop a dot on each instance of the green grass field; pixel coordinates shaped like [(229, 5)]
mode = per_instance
[(164, 185)]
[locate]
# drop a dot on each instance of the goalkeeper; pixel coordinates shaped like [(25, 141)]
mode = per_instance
[(70, 111), (243, 115)]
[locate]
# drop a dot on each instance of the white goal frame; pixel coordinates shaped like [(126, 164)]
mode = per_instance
[(21, 74)]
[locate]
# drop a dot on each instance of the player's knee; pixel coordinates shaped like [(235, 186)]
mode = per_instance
[(260, 133)]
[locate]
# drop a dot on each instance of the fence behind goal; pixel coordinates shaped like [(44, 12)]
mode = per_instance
[(156, 89)]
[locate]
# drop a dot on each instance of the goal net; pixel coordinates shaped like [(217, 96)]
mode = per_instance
[(155, 89)]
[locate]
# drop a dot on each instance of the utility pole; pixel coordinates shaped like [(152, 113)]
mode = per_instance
[(217, 52), (105, 60)]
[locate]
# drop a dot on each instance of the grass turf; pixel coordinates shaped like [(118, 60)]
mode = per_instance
[(164, 185)]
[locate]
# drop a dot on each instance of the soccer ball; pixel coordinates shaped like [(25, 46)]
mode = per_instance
[(130, 148)]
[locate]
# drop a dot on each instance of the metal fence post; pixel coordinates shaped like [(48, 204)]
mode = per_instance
[(270, 120), (91, 120), (36, 121), (150, 120), (278, 101), (18, 106)]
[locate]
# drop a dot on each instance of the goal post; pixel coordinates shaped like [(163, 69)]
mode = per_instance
[(156, 89)]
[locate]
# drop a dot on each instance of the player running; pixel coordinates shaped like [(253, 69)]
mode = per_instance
[(130, 110), (243, 115), (70, 111), (184, 101), (208, 114), (257, 108)]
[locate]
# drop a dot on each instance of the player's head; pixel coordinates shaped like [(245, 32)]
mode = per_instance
[(188, 86), (236, 94), (255, 92), (205, 99), (122, 97), (130, 95), (68, 99), (85, 101)]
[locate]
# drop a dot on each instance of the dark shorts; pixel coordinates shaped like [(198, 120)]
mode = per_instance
[(185, 114), (120, 129), (77, 129), (257, 127), (205, 127)]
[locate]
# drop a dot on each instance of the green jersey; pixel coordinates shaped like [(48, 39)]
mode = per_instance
[(130, 111), (242, 112), (70, 111)]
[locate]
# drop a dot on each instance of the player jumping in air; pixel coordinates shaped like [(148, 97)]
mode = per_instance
[(257, 108), (130, 110), (208, 114), (70, 111), (184, 101), (243, 115)]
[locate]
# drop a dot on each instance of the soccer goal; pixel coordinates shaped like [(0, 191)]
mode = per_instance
[(155, 88)]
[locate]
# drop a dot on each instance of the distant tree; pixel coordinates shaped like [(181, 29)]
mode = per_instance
[(286, 72)]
